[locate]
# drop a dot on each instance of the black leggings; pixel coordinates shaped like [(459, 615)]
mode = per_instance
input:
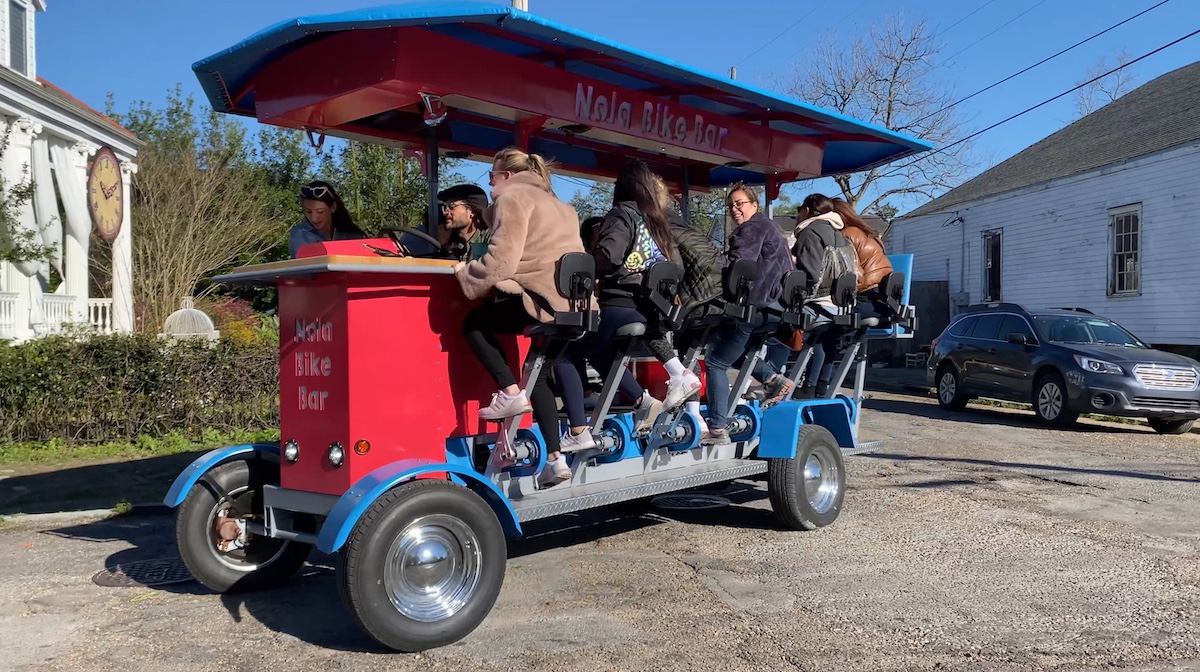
[(507, 315)]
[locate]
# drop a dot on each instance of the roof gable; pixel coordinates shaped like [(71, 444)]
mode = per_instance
[(1161, 114)]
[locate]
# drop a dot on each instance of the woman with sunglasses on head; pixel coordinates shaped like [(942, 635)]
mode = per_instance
[(531, 231), (325, 218)]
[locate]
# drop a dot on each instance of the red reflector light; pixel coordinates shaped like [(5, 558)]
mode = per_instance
[(362, 446)]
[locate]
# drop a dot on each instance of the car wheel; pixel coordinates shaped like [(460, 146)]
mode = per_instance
[(949, 391), (1050, 401), (1171, 426)]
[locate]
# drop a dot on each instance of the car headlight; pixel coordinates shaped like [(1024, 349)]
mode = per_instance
[(1097, 366)]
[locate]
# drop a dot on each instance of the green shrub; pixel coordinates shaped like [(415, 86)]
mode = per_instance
[(126, 387)]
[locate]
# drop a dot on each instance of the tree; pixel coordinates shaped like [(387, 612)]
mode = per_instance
[(888, 79), (1107, 89), (198, 200), (18, 244), (596, 201)]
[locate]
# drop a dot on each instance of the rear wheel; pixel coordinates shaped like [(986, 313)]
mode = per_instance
[(1050, 401), (807, 491), (423, 566), (1171, 426), (211, 534), (949, 389)]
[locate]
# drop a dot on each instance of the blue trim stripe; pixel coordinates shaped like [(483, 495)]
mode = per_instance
[(194, 471)]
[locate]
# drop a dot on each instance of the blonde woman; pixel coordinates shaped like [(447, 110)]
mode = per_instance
[(531, 229)]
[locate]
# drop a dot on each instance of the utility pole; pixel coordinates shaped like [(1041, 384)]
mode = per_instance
[(522, 5), (732, 71)]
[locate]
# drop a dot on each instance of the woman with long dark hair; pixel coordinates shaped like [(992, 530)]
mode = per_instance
[(325, 218)]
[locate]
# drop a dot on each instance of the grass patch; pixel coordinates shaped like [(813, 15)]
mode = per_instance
[(60, 451)]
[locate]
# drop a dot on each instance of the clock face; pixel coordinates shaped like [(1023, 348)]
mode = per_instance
[(106, 194)]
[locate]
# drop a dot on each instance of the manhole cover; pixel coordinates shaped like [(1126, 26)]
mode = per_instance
[(158, 572), (689, 501)]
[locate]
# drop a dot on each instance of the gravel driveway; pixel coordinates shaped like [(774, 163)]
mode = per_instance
[(971, 541)]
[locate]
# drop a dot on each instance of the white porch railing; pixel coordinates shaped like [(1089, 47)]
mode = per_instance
[(100, 315), (8, 317), (56, 312)]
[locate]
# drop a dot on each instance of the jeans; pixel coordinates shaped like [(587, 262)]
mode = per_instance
[(725, 346), (600, 349)]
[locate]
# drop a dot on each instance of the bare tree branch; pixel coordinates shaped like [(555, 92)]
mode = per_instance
[(888, 79), (1103, 91)]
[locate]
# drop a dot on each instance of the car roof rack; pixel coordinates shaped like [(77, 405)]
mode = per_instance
[(1076, 310), (995, 305)]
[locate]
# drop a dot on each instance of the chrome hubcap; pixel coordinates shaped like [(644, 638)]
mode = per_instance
[(821, 479), (433, 568), (1050, 401), (947, 388)]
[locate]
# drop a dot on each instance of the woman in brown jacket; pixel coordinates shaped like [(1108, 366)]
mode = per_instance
[(873, 263), (531, 230)]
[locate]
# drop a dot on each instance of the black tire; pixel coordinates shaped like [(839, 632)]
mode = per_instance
[(1050, 401), (1170, 426), (949, 389), (366, 585), (789, 489), (264, 562)]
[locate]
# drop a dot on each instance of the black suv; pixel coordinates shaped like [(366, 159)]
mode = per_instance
[(1064, 361)]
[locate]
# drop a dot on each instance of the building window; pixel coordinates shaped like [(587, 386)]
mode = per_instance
[(17, 42), (991, 264), (1125, 250)]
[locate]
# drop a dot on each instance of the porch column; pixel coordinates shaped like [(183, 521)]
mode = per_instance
[(22, 276), (75, 244), (122, 258)]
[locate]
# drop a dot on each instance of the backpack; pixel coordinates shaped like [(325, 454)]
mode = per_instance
[(838, 257)]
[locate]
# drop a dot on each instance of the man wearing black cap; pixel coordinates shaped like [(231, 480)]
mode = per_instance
[(463, 225)]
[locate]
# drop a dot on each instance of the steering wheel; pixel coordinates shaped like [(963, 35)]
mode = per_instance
[(394, 234)]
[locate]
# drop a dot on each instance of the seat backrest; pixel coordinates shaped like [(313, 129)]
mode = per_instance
[(844, 290), (576, 282), (660, 286), (738, 283), (892, 288), (795, 290)]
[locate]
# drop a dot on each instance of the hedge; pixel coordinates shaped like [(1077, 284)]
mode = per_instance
[(123, 387)]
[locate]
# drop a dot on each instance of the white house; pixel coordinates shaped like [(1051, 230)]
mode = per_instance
[(52, 140), (1102, 215)]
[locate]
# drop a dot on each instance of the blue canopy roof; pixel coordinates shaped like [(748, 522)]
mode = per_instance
[(227, 77)]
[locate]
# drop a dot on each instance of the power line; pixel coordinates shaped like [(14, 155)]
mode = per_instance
[(809, 43), (1040, 2), (1080, 43), (943, 32), (1044, 102), (785, 31)]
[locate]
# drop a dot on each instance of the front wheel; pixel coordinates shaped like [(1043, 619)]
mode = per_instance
[(807, 491), (1171, 426), (423, 566), (212, 536), (1050, 401)]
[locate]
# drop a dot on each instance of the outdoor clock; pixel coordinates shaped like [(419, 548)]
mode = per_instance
[(105, 194)]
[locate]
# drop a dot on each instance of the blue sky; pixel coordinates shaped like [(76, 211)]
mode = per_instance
[(138, 49)]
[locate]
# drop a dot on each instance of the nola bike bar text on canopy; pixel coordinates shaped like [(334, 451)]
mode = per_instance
[(657, 118)]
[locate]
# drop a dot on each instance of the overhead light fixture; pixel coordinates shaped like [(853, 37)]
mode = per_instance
[(574, 129), (457, 154), (737, 164)]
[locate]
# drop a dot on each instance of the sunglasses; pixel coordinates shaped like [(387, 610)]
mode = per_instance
[(314, 192)]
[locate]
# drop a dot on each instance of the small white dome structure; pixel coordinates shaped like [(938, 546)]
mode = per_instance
[(189, 322)]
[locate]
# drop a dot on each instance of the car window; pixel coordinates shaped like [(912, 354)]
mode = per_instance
[(962, 327), (987, 326), (1015, 325), (1087, 330)]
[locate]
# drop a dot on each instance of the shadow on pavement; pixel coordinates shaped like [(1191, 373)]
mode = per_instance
[(52, 489), (309, 607), (1033, 467)]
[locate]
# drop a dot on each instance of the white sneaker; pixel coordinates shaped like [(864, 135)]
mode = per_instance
[(645, 415), (506, 405), (555, 472), (571, 443), (681, 388)]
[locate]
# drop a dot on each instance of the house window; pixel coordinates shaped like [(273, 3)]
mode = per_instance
[(1125, 245), (991, 264), (17, 45)]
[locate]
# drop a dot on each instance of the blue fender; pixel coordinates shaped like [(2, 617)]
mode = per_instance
[(781, 425), (194, 471), (355, 502)]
